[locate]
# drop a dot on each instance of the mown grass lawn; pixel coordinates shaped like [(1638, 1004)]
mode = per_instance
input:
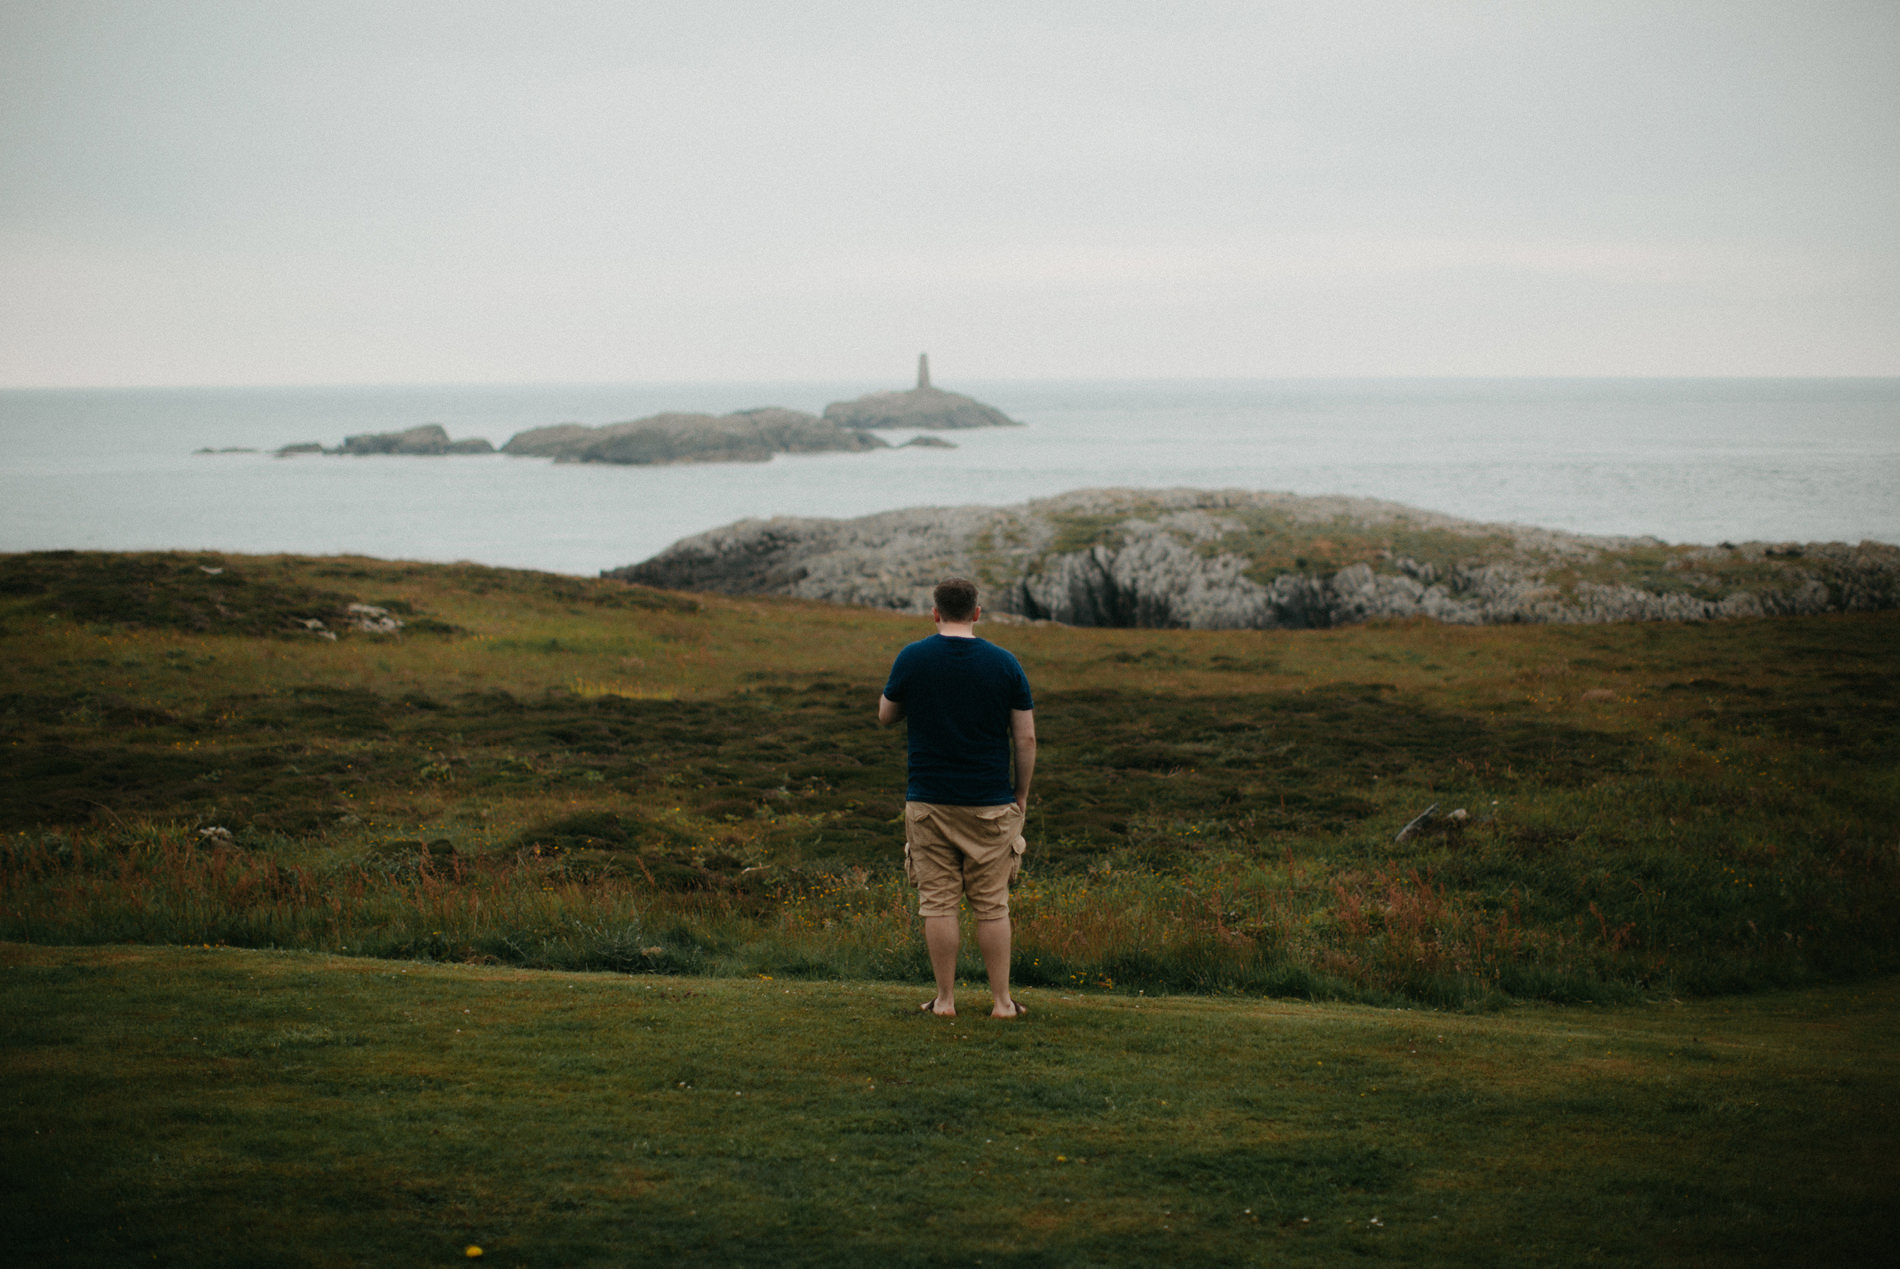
[(230, 1107)]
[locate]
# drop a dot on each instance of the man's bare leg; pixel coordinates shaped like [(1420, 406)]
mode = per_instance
[(941, 937), (992, 938)]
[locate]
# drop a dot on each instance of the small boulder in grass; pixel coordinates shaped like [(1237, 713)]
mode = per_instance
[(1416, 824), (1429, 823), (216, 835), (374, 620)]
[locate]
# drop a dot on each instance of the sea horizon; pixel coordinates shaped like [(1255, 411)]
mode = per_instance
[(1681, 459), (870, 383)]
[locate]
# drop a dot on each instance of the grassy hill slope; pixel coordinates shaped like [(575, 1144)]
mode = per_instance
[(565, 773)]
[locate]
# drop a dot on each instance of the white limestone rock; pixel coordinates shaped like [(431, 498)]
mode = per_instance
[(1217, 559)]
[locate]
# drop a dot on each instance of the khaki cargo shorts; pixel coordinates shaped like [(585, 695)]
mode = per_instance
[(962, 852)]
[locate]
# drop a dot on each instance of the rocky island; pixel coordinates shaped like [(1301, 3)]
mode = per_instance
[(922, 406), (747, 436), (744, 436), (1236, 559), (428, 439)]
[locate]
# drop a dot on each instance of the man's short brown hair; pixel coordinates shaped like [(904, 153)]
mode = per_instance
[(955, 598)]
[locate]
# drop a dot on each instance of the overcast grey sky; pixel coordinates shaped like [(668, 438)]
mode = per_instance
[(334, 192)]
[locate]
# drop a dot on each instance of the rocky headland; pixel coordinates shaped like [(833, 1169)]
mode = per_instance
[(747, 436), (1236, 559)]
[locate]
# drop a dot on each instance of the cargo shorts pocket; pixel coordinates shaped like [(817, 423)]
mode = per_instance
[(915, 813), (1017, 847)]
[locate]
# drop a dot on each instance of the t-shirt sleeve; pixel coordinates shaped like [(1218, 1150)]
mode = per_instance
[(899, 678), (1019, 697)]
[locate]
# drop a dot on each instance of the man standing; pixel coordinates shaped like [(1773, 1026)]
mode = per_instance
[(970, 712)]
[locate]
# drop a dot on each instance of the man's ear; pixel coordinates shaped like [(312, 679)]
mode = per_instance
[(976, 614), (935, 615)]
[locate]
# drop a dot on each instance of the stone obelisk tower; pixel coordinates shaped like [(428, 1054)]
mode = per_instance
[(923, 370)]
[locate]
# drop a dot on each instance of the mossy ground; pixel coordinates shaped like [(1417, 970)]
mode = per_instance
[(214, 1107)]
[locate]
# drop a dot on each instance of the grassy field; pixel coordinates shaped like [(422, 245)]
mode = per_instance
[(578, 774), (308, 936), (214, 1107)]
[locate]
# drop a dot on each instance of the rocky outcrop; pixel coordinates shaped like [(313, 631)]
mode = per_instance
[(748, 436), (556, 441), (919, 407), (745, 436), (430, 438), (923, 406), (1237, 559)]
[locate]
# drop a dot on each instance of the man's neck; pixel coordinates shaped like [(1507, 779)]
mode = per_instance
[(957, 629)]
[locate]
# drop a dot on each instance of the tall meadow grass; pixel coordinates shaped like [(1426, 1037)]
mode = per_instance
[(1349, 926)]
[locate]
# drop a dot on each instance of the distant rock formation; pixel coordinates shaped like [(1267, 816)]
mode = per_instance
[(745, 436), (554, 441), (927, 442), (748, 436), (1233, 559), (430, 438), (922, 406)]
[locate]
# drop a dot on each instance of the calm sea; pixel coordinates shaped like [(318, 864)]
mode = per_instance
[(1682, 460)]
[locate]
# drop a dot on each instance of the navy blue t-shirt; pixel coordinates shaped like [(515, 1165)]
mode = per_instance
[(957, 695)]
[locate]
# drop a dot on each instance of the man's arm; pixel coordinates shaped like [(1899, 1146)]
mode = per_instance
[(1022, 743), (888, 711)]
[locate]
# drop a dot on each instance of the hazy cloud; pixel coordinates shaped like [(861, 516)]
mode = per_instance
[(328, 192)]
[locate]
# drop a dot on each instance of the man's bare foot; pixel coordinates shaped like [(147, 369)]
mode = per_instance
[(930, 1006), (1017, 1009)]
